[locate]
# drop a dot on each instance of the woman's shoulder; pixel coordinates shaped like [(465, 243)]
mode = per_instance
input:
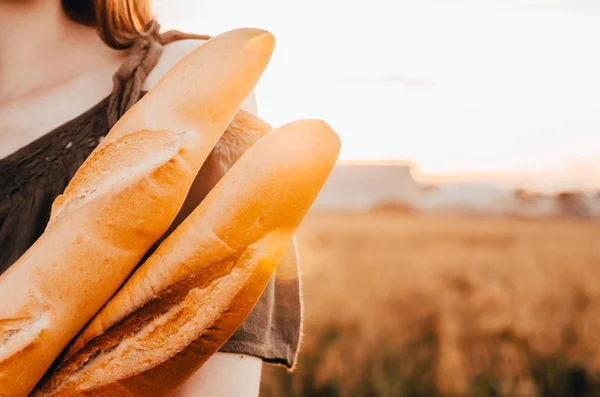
[(172, 53)]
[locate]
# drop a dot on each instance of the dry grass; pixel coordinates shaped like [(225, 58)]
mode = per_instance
[(402, 305)]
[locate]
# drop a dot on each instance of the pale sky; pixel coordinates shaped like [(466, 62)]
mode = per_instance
[(455, 86)]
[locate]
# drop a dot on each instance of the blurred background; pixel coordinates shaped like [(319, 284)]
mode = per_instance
[(455, 249)]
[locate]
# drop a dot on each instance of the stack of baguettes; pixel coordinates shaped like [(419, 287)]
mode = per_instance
[(77, 319)]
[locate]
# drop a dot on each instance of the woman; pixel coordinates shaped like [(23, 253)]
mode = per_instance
[(73, 68)]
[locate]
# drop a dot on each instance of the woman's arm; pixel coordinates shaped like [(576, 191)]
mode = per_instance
[(224, 374)]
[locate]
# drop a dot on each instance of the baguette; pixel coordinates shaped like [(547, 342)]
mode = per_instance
[(106, 220), (189, 297)]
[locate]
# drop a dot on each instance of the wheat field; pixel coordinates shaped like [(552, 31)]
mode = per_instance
[(411, 305)]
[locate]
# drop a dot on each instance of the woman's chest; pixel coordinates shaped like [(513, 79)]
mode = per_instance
[(28, 119)]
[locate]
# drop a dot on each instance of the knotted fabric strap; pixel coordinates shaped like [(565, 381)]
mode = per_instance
[(143, 56)]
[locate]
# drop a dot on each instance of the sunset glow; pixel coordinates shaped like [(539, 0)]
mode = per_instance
[(456, 87)]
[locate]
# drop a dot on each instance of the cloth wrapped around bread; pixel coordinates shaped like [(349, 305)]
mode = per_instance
[(149, 329)]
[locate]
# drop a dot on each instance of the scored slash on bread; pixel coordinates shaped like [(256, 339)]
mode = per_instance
[(195, 290), (157, 154), (113, 211)]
